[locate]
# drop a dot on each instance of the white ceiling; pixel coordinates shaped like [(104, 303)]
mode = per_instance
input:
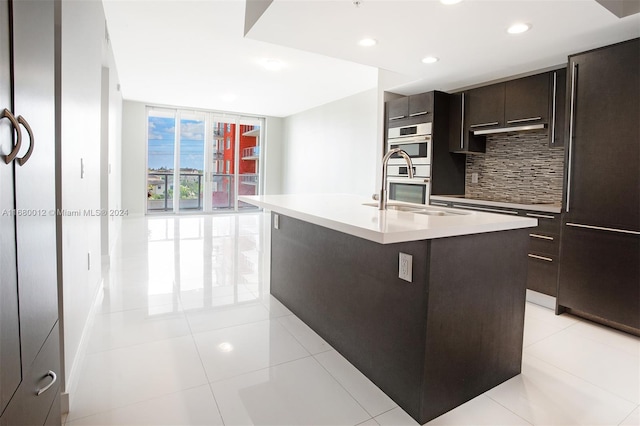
[(193, 53)]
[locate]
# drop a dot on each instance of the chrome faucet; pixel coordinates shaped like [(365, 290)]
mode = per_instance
[(382, 199)]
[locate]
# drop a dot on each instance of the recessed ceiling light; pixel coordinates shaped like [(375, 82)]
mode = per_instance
[(225, 347), (430, 60), (272, 64), (448, 2), (368, 42), (518, 28)]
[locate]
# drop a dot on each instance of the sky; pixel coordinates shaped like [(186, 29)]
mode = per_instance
[(161, 143)]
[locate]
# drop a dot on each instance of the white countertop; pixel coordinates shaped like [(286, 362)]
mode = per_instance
[(547, 208), (346, 213)]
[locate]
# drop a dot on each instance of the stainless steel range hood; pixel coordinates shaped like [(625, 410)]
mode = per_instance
[(510, 129)]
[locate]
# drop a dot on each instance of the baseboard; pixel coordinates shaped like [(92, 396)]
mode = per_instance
[(73, 377), (64, 402), (541, 299)]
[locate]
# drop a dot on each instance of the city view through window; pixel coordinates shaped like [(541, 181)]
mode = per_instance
[(213, 159)]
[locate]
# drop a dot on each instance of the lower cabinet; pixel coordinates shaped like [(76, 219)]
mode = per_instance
[(600, 276), (36, 397), (544, 250)]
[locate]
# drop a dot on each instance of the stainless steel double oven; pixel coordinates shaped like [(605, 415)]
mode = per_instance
[(415, 140)]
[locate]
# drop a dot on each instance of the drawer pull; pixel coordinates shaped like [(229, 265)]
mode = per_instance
[(522, 120), (46, 388), (535, 256), (398, 117), (433, 203), (493, 123), (415, 114), (541, 216), (543, 237)]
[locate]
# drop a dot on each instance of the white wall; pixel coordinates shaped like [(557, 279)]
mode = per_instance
[(273, 156), (134, 163), (83, 54), (333, 148)]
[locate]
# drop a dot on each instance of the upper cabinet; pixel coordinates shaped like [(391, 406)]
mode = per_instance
[(526, 100), (484, 107), (527, 103), (410, 110)]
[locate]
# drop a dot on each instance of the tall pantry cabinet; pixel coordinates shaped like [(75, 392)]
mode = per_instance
[(600, 242), (30, 372)]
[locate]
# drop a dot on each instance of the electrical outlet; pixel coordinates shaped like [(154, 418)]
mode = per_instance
[(474, 178), (276, 221), (405, 267)]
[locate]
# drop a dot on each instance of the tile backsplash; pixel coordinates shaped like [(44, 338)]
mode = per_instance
[(518, 167)]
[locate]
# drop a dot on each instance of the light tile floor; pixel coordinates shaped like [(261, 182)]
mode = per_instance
[(187, 334)]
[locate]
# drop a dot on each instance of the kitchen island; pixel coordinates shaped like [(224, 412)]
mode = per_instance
[(450, 332)]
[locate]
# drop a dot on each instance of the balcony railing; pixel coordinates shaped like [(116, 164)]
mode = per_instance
[(166, 190)]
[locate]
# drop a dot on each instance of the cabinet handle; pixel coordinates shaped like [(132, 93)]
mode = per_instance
[(553, 109), (541, 216), (574, 77), (32, 141), (7, 114), (462, 125), (415, 114), (602, 228), (434, 203), (397, 117), (535, 256), (542, 237), (493, 123), (46, 388), (522, 120), (484, 209)]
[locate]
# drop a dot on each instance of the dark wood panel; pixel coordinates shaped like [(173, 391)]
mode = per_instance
[(485, 105), (543, 243), (27, 408), (33, 39), (411, 339), (348, 291), (447, 169), (542, 275), (421, 105), (605, 169), (475, 317), (526, 99), (557, 133), (397, 109), (599, 274), (10, 368), (460, 139)]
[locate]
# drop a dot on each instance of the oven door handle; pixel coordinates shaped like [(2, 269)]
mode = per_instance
[(409, 139), (414, 181)]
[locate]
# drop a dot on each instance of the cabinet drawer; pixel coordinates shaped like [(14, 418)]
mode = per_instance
[(548, 223), (542, 275), (27, 407), (541, 243)]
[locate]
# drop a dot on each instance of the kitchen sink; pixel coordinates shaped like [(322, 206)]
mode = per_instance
[(418, 210)]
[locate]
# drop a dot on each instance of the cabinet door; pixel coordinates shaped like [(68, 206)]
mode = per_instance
[(34, 91), (421, 105), (484, 107), (604, 156), (599, 274), (461, 140), (397, 109), (558, 106), (10, 369), (527, 100)]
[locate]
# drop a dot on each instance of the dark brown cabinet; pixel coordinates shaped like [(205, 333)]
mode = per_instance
[(527, 100), (410, 110), (460, 139), (29, 353), (484, 107), (544, 250), (558, 107), (600, 247)]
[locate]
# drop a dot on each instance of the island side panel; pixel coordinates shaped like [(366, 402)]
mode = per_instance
[(475, 323), (347, 289)]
